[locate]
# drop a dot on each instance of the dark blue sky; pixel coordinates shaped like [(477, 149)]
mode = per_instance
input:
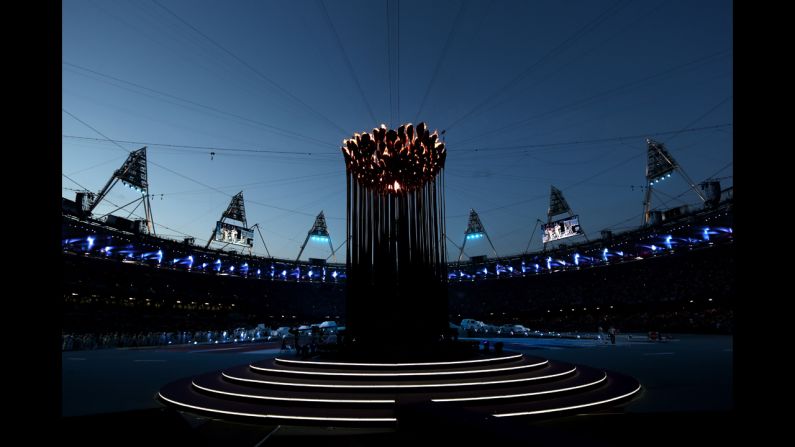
[(513, 83)]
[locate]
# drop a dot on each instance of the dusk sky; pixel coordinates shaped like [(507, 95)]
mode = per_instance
[(530, 94)]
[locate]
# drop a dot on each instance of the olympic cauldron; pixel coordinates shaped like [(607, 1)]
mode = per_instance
[(396, 262)]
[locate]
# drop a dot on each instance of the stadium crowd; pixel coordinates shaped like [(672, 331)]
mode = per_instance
[(108, 303)]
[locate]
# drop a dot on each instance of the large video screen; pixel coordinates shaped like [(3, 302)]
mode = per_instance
[(561, 229), (233, 234)]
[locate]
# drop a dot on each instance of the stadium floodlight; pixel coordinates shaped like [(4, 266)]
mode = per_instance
[(132, 173), (475, 230), (318, 233), (659, 166)]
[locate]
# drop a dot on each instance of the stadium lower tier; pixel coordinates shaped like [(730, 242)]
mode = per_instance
[(688, 291)]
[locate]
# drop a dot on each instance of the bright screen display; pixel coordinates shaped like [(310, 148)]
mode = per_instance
[(233, 234), (561, 229)]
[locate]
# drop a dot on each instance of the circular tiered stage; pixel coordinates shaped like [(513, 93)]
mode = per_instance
[(329, 393)]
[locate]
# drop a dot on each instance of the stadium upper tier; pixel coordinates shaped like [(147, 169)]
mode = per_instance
[(95, 238)]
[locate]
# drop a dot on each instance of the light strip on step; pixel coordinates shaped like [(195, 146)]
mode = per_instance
[(573, 407), (460, 362), (295, 399), (275, 416), (509, 396), (424, 385), (440, 373)]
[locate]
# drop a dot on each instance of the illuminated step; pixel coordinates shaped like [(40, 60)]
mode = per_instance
[(408, 365), (214, 384), (617, 388), (269, 367), (583, 379), (184, 397), (245, 375)]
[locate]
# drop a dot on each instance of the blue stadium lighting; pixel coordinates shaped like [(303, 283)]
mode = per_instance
[(231, 268), (510, 269), (604, 254), (204, 264), (523, 267), (620, 253), (668, 241), (309, 273), (159, 256), (218, 265), (259, 272), (549, 263), (334, 274), (485, 271), (576, 259), (90, 241), (537, 267), (653, 248), (284, 273), (706, 234), (320, 238)]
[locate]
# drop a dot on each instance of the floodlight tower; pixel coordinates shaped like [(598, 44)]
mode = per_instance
[(318, 233), (236, 211), (475, 230), (659, 166), (133, 174)]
